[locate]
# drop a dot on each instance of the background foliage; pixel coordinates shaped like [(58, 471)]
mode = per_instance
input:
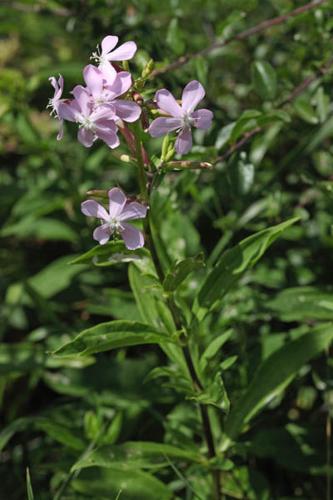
[(55, 411)]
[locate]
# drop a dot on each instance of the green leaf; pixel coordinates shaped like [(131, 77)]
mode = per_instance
[(180, 271), (214, 395), (245, 123), (234, 262), (113, 252), (55, 277), (264, 79), (61, 433), (240, 175), (101, 483), (213, 348), (30, 493), (112, 335), (275, 373), (175, 37), (134, 455), (302, 304), (44, 228), (305, 110)]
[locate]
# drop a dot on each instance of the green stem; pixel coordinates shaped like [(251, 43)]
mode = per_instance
[(207, 428)]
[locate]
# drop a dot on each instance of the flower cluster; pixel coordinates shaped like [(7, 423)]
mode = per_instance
[(97, 107), (102, 106)]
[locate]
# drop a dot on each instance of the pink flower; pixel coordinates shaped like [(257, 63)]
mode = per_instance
[(182, 118), (106, 92), (54, 102), (105, 53), (115, 221), (93, 123)]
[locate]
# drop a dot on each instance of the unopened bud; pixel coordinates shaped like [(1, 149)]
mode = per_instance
[(170, 153), (165, 147), (148, 69)]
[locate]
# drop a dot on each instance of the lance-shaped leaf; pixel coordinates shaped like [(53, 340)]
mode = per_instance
[(234, 262), (112, 253), (180, 271), (275, 373), (112, 335), (134, 455)]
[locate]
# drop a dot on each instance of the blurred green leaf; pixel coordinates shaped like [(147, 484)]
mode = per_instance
[(180, 271), (264, 79), (303, 304), (275, 373), (133, 455), (136, 485)]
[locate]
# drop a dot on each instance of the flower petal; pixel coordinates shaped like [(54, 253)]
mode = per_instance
[(82, 97), (91, 208), (109, 43), (162, 126), (94, 79), (166, 102), (109, 136), (133, 210), (120, 84), (184, 141), (68, 110), (102, 234), (128, 111), (108, 72), (202, 118), (193, 93), (86, 137), (103, 112), (117, 201), (132, 237), (123, 53)]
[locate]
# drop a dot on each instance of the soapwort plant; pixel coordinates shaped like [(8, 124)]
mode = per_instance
[(113, 106)]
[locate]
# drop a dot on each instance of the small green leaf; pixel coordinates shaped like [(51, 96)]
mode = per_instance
[(240, 175), (213, 348), (264, 79), (275, 373), (175, 37), (214, 395), (180, 271), (234, 262), (305, 110), (245, 123), (112, 335)]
